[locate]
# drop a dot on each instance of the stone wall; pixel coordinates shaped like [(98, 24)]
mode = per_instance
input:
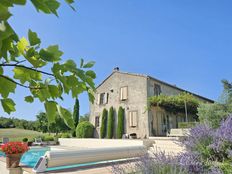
[(137, 101)]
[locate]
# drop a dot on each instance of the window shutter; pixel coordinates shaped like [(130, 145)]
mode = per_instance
[(98, 99), (106, 98), (130, 119), (121, 93), (125, 93), (134, 119)]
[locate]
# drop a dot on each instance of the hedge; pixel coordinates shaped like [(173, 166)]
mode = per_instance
[(186, 124), (120, 126), (85, 130), (103, 123), (110, 124)]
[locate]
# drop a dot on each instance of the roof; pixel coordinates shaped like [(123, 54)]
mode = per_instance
[(160, 81)]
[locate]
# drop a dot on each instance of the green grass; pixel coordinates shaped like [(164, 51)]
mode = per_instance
[(18, 134)]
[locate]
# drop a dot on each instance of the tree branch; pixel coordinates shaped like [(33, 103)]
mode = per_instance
[(11, 80), (22, 66)]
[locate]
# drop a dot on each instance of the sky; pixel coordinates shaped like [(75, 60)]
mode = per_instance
[(186, 43)]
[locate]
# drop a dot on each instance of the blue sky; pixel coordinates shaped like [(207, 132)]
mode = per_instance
[(187, 43)]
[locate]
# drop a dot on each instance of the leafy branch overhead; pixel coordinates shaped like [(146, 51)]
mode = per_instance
[(41, 71)]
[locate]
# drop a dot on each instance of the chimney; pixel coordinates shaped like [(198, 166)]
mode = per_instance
[(116, 69)]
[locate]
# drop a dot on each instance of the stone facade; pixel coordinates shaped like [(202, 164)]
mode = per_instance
[(137, 88)]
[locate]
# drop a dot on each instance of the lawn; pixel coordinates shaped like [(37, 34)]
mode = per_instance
[(18, 134)]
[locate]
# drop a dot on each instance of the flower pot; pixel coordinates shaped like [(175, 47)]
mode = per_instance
[(12, 160)]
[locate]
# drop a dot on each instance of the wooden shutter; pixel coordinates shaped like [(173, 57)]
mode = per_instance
[(98, 99), (134, 121), (125, 93), (106, 98), (130, 119)]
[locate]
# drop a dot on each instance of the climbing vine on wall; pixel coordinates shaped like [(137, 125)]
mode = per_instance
[(175, 103)]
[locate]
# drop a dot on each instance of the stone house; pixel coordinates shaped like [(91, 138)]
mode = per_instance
[(131, 91)]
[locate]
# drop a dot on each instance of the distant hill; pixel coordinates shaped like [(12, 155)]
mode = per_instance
[(16, 134)]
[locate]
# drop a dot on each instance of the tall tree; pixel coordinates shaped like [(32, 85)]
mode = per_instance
[(76, 115), (103, 123), (120, 126), (110, 124), (28, 62)]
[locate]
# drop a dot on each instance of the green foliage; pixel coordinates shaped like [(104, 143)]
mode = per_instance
[(212, 113), (120, 126), (110, 124), (176, 103), (65, 135), (85, 130), (76, 115), (103, 123), (25, 139), (184, 125), (48, 138), (27, 60), (85, 117), (44, 126)]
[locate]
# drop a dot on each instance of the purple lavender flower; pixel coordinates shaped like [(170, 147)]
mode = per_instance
[(191, 161), (224, 132), (198, 135), (215, 170)]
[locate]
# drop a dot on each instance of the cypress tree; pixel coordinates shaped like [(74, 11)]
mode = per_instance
[(120, 126), (103, 123), (76, 115), (110, 124)]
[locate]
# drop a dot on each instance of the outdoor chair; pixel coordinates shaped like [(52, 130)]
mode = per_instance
[(5, 140), (38, 142)]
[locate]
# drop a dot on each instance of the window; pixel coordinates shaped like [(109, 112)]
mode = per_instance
[(157, 89), (102, 98), (124, 93), (97, 121), (133, 118)]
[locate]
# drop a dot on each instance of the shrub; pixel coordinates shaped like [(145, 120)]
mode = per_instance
[(103, 123), (85, 130), (65, 135), (25, 140), (184, 125), (110, 125), (48, 138), (120, 126)]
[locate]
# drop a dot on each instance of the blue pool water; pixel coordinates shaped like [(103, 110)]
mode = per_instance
[(31, 157)]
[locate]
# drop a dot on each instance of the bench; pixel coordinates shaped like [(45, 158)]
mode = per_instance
[(178, 133)]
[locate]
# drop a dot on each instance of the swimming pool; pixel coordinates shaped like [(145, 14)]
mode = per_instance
[(31, 157)]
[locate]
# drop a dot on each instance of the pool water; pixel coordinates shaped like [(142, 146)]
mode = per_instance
[(31, 157)]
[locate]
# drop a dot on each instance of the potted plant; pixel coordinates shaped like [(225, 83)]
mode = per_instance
[(25, 140), (14, 152)]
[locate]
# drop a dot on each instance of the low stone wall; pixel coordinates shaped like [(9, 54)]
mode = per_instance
[(98, 143)]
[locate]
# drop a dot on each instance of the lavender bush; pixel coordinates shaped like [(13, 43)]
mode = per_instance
[(208, 151)]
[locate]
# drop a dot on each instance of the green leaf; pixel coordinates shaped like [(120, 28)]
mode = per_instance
[(70, 2), (89, 64), (70, 65), (22, 45), (54, 91), (82, 63), (91, 73), (67, 116), (50, 107), (19, 2), (33, 57), (4, 13), (29, 99), (46, 6), (8, 105), (26, 75), (6, 87), (33, 38), (51, 54), (1, 70)]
